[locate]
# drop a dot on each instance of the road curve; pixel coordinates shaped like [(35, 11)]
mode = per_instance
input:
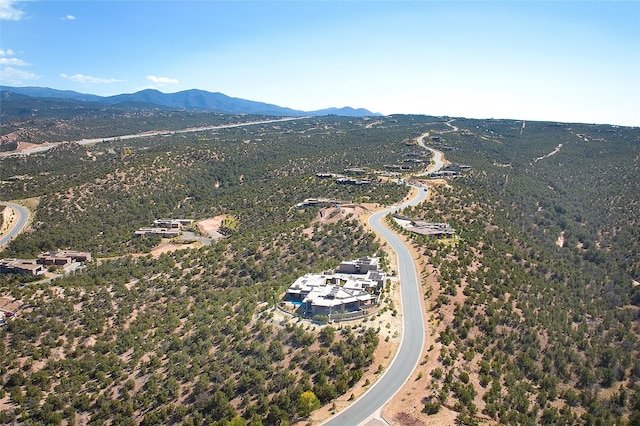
[(23, 218), (438, 158), (413, 336), (412, 341)]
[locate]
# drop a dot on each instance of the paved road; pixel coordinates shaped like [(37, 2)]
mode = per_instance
[(23, 217), (438, 162), (146, 134), (410, 349)]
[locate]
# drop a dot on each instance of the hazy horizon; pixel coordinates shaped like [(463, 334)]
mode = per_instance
[(544, 61)]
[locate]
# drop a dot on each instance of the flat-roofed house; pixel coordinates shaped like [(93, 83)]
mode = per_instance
[(172, 223), (354, 287), (21, 266), (303, 286), (161, 232), (327, 300), (432, 229), (359, 266), (62, 258)]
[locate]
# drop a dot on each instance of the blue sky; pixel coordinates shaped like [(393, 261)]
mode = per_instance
[(573, 61)]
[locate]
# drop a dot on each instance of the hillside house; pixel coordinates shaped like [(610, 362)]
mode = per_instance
[(21, 266), (352, 181), (172, 223), (160, 232), (62, 258), (431, 229), (324, 175), (353, 287), (359, 266), (329, 300)]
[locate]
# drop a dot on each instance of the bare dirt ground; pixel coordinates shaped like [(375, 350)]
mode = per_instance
[(169, 247), (9, 304), (8, 220), (333, 214), (26, 146), (212, 224)]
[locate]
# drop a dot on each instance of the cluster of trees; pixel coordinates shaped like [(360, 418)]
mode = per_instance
[(237, 171), (189, 337), (536, 299), (536, 302), (184, 337), (57, 120)]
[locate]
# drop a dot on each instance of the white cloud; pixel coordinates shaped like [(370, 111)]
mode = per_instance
[(8, 12), (80, 78), (69, 18), (12, 76), (12, 61), (162, 80)]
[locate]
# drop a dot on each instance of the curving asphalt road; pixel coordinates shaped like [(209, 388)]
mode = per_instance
[(413, 337), (23, 218), (438, 158), (412, 341)]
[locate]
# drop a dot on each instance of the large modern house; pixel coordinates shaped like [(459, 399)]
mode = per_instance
[(165, 228), (60, 259), (430, 229), (355, 286), (20, 266)]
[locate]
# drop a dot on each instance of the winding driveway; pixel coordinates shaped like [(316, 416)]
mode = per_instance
[(438, 158), (413, 331), (23, 218)]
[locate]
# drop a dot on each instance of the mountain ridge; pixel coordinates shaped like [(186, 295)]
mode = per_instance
[(192, 99)]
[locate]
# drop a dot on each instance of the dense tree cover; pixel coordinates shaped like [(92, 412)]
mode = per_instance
[(536, 307), (181, 338), (538, 296), (257, 173), (55, 120), (189, 337)]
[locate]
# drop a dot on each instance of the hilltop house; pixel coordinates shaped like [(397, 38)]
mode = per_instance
[(359, 266)]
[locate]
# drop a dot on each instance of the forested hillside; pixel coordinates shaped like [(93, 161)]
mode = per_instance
[(188, 337), (537, 303), (39, 120), (533, 319)]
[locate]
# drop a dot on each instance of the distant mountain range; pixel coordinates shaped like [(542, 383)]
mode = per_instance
[(189, 99)]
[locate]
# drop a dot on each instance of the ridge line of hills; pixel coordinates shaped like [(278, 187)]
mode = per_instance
[(193, 99)]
